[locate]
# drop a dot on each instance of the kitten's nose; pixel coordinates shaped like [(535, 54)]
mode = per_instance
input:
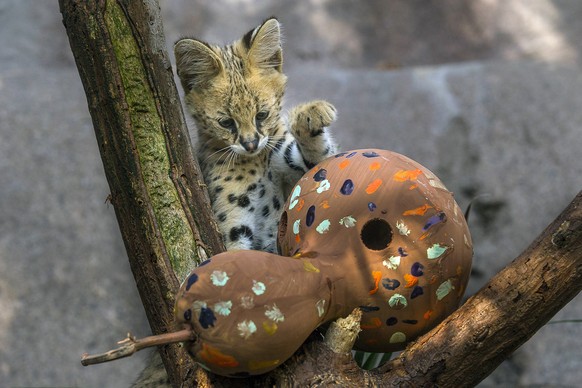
[(250, 144)]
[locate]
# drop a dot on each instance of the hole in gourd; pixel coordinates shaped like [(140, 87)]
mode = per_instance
[(376, 234)]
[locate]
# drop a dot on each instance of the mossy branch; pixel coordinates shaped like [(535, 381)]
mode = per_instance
[(160, 201)]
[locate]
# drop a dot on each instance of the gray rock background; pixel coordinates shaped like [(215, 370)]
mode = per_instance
[(486, 93)]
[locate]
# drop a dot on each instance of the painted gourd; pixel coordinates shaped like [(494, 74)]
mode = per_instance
[(368, 228)]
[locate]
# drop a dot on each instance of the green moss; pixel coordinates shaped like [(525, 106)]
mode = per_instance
[(151, 144)]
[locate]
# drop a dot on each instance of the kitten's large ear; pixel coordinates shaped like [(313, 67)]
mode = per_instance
[(196, 62), (264, 45)]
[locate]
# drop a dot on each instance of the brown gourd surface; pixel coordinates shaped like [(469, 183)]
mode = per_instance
[(366, 228)]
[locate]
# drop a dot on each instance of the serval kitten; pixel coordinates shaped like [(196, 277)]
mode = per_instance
[(247, 153)]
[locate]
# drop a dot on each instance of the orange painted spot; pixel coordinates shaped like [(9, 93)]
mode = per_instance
[(214, 356), (427, 315), (297, 238), (419, 211), (325, 204), (344, 164), (412, 187), (407, 175), (372, 187), (410, 280), (375, 166), (426, 234), (377, 275), (374, 323), (300, 204)]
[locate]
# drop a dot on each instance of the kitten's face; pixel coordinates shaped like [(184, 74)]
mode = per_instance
[(234, 93)]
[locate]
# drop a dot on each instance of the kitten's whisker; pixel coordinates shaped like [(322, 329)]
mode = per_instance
[(225, 155), (224, 167), (232, 156), (215, 152), (233, 159)]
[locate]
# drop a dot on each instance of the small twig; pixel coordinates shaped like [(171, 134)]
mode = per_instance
[(130, 345)]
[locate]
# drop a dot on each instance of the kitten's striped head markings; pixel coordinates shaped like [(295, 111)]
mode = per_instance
[(234, 93)]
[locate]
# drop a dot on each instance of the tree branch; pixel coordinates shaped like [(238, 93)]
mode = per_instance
[(161, 204)]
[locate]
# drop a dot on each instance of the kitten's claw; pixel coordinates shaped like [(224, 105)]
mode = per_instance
[(311, 118)]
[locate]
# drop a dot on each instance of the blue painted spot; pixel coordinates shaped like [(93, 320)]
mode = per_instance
[(434, 220), (206, 318), (416, 291), (310, 217), (348, 187), (371, 206), (410, 321), (351, 154), (188, 314), (390, 284), (370, 154), (320, 175), (368, 309), (402, 252), (416, 269), (392, 321), (191, 280), (340, 154), (204, 262)]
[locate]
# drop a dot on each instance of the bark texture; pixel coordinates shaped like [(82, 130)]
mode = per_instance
[(167, 225), (156, 188)]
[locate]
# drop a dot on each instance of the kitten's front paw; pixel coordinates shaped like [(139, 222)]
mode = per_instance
[(309, 120)]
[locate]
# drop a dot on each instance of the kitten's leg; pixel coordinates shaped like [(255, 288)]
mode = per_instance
[(237, 226), (308, 123), (306, 143)]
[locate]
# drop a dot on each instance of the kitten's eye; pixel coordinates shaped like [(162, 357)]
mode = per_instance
[(226, 123), (262, 115)]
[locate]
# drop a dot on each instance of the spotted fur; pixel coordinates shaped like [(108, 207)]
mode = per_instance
[(248, 154)]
